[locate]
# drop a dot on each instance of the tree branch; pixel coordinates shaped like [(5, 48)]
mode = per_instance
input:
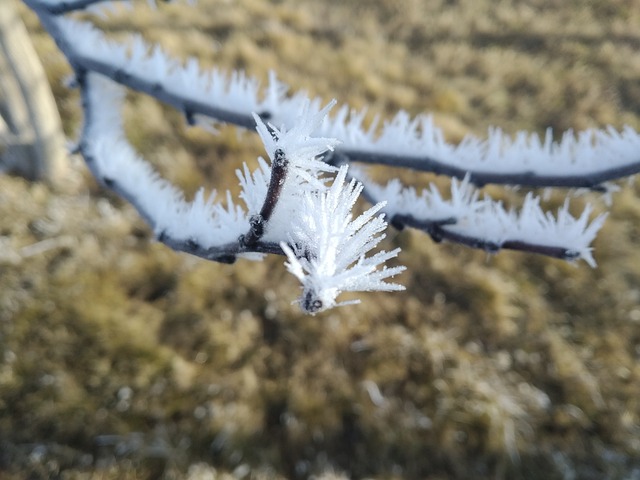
[(593, 181), (200, 228), (485, 224), (585, 160), (87, 50), (574, 161), (259, 222)]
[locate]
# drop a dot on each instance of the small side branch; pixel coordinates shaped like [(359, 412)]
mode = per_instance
[(438, 231), (484, 224), (259, 222)]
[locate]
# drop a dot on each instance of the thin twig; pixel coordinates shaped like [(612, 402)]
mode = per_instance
[(259, 221)]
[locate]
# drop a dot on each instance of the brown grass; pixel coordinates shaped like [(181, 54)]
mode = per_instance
[(122, 359)]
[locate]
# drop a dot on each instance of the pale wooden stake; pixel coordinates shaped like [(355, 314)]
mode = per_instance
[(31, 137)]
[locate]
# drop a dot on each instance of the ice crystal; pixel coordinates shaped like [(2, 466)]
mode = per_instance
[(327, 249)]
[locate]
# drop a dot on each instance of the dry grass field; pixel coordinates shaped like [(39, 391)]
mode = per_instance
[(121, 359)]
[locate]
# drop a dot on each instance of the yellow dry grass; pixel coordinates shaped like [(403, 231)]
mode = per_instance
[(122, 359)]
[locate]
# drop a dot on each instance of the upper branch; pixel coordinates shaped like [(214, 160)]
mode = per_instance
[(591, 180), (137, 66), (584, 160)]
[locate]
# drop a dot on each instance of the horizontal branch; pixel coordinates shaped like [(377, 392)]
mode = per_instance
[(437, 229), (485, 224), (139, 67), (223, 253), (593, 181), (584, 160), (438, 232)]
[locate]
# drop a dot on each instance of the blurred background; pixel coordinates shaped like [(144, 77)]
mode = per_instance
[(122, 359)]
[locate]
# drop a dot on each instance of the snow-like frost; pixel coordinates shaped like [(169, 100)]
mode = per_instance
[(418, 141), (488, 220), (415, 140), (327, 248), (299, 144), (305, 170), (186, 80), (202, 221)]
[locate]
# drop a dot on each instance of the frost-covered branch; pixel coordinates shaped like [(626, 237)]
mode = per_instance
[(289, 206), (586, 159), (299, 202), (581, 160), (201, 227), (481, 222), (146, 69)]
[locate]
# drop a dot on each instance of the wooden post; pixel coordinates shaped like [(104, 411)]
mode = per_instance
[(31, 138)]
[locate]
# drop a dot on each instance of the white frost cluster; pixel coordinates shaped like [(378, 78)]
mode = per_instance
[(326, 249), (202, 221), (415, 139), (299, 143), (305, 169), (488, 220), (139, 59)]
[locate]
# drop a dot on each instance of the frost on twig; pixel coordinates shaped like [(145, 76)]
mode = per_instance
[(298, 213), (481, 222), (578, 160), (202, 227), (586, 159), (329, 247), (299, 201)]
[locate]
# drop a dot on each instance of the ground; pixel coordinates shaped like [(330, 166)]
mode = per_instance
[(122, 359)]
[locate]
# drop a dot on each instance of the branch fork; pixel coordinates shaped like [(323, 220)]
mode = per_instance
[(301, 204)]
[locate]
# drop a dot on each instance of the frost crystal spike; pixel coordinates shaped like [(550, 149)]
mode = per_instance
[(328, 253)]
